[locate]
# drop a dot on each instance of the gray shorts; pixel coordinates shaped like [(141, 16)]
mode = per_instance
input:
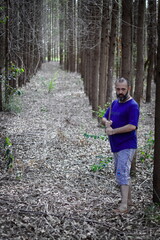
[(122, 162)]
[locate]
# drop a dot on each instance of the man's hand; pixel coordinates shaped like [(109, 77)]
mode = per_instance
[(109, 131), (106, 123)]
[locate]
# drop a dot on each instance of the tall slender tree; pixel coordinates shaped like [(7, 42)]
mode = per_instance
[(156, 170), (126, 38), (61, 32), (71, 51), (90, 48), (7, 52), (151, 45), (2, 47), (112, 44), (49, 32), (95, 31), (104, 52), (140, 53)]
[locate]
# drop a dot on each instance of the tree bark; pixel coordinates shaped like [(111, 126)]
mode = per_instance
[(112, 51), (138, 93), (151, 46), (126, 38), (7, 52), (2, 51), (104, 50), (71, 36), (156, 170), (95, 31), (61, 32)]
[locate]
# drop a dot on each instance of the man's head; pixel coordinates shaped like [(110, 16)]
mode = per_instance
[(122, 87)]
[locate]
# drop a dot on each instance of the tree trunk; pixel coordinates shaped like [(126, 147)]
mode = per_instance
[(95, 31), (156, 170), (139, 64), (49, 44), (112, 51), (104, 49), (140, 53), (91, 12), (37, 35), (7, 52), (126, 38), (151, 46), (61, 32), (79, 36), (66, 64), (71, 35), (118, 43), (2, 51)]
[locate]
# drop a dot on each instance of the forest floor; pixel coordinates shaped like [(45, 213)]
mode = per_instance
[(52, 192)]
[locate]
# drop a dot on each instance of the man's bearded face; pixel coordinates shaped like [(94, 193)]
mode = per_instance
[(122, 91), (122, 97)]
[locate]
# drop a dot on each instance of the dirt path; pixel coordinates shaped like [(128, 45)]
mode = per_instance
[(51, 193)]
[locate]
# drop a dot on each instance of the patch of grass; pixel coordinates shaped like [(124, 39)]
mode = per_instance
[(146, 152), (14, 103), (52, 84)]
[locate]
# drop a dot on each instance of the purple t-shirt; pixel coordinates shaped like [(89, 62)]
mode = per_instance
[(121, 115)]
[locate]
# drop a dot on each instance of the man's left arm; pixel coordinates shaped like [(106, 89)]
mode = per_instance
[(124, 129)]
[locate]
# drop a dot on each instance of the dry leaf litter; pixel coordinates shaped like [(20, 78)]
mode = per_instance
[(51, 192)]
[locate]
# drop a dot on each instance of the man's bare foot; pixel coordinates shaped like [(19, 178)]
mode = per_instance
[(123, 208)]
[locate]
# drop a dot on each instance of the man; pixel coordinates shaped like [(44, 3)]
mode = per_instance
[(121, 122)]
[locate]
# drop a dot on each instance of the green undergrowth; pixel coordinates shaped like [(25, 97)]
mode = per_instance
[(101, 110), (152, 214), (14, 104), (50, 83), (103, 160), (7, 154), (102, 137), (146, 152), (103, 163)]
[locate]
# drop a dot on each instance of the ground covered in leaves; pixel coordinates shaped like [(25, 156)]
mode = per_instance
[(61, 184)]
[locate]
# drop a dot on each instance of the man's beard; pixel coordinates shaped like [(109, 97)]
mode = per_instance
[(122, 97)]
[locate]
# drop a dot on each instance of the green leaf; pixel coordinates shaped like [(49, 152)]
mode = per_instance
[(7, 142)]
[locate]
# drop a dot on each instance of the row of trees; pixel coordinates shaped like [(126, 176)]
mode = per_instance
[(26, 29), (106, 39), (21, 49), (99, 39)]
